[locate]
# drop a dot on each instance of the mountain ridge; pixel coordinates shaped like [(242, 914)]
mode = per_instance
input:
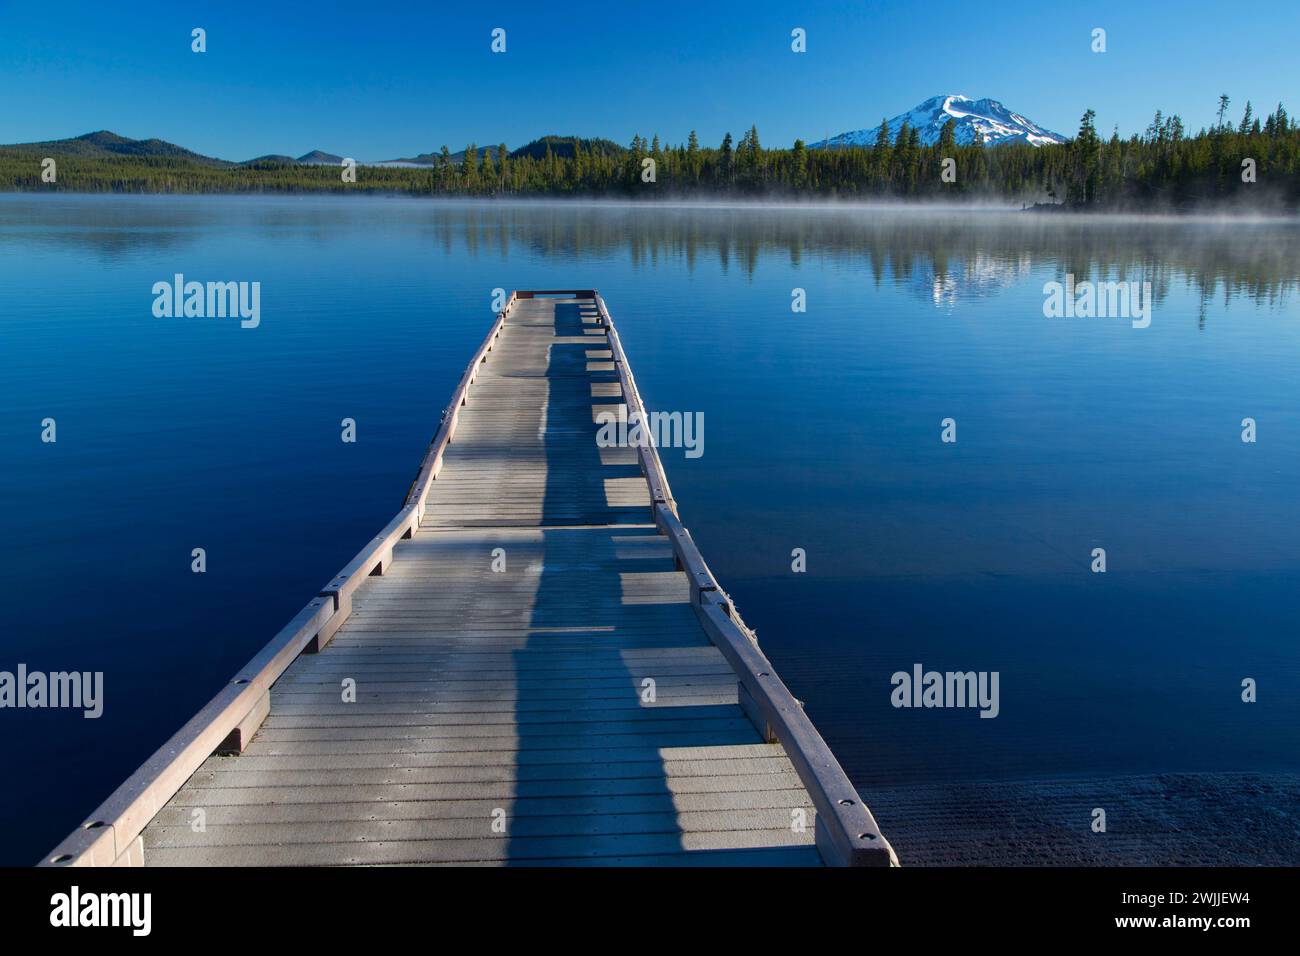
[(986, 121), (105, 143)]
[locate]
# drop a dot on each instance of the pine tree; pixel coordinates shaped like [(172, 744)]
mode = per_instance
[(444, 168), (948, 134), (1156, 131), (913, 157), (1081, 186), (901, 159), (469, 168), (882, 135), (882, 156), (799, 165)]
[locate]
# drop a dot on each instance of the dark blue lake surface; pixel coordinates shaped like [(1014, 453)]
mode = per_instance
[(822, 433)]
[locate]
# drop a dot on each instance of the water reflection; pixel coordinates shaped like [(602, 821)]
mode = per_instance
[(941, 256)]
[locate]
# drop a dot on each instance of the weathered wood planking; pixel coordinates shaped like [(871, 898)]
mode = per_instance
[(542, 668)]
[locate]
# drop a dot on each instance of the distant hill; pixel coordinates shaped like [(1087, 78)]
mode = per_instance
[(272, 158), (319, 158), (431, 159), (104, 143), (563, 146)]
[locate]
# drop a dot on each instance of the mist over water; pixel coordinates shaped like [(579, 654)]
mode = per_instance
[(823, 434)]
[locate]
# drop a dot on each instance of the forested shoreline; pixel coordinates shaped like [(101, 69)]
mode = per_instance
[(1256, 159)]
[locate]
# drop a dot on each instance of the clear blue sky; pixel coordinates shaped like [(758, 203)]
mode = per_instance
[(369, 81)]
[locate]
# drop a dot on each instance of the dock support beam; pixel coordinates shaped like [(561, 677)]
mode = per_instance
[(342, 610), (239, 738)]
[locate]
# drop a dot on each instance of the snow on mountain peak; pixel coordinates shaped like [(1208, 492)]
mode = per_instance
[(986, 121)]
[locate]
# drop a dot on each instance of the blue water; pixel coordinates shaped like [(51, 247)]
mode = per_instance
[(822, 433)]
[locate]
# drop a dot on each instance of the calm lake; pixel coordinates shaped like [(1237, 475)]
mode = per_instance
[(822, 433)]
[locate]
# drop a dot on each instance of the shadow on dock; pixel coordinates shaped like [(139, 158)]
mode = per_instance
[(609, 613)]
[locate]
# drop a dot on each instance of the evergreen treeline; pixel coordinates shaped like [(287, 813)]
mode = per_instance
[(1163, 165)]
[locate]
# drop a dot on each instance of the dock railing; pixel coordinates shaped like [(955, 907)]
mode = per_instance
[(846, 832), (111, 835)]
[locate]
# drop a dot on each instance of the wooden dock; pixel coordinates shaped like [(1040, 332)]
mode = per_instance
[(531, 664)]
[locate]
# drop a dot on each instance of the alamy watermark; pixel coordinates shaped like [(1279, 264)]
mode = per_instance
[(1100, 300), (211, 300), (75, 690), (922, 688), (660, 429), (129, 910)]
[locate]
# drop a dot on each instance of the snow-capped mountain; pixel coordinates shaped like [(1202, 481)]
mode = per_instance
[(986, 121)]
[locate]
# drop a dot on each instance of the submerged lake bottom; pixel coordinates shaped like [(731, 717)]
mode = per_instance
[(917, 470)]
